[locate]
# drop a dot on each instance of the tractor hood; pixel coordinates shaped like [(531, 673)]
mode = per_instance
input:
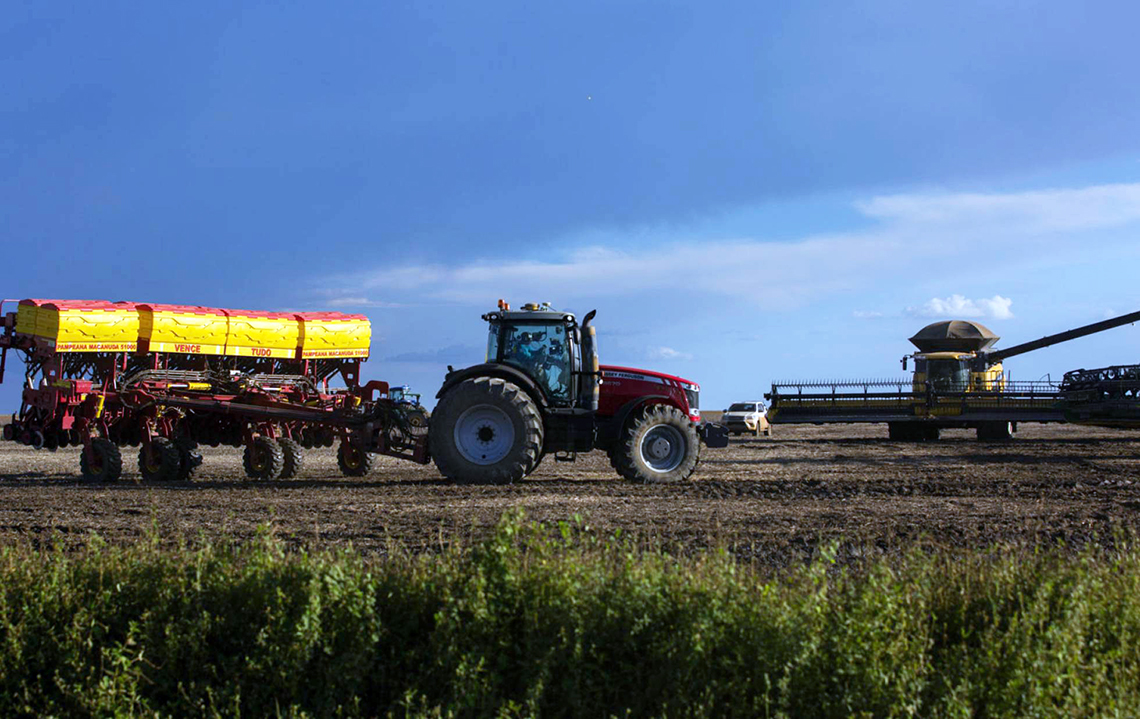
[(645, 376)]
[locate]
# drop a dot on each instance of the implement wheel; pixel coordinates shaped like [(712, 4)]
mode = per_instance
[(294, 458), (353, 461), (486, 431), (164, 462), (189, 458), (263, 459), (659, 444), (107, 465)]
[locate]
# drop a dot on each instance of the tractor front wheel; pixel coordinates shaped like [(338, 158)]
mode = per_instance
[(486, 430), (659, 444)]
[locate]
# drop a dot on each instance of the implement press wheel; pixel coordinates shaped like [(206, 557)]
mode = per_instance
[(189, 458), (263, 459), (107, 465), (659, 444), (164, 463), (486, 431), (294, 457), (353, 461)]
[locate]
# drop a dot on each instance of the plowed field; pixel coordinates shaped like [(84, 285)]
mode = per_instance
[(769, 499)]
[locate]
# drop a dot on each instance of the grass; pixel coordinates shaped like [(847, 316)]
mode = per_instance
[(558, 621)]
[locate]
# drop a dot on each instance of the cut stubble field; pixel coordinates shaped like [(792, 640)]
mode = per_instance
[(770, 500)]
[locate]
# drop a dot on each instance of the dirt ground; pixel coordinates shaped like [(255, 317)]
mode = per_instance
[(771, 500)]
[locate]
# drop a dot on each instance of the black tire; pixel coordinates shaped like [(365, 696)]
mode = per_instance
[(658, 444), (491, 415), (294, 458), (353, 461), (263, 459), (995, 431), (164, 462), (189, 458), (418, 420), (108, 464)]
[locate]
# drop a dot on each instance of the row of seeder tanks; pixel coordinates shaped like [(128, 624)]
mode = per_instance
[(70, 326), (167, 377)]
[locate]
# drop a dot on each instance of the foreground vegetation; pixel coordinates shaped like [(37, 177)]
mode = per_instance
[(557, 621)]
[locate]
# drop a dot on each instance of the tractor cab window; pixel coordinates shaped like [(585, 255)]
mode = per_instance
[(540, 350)]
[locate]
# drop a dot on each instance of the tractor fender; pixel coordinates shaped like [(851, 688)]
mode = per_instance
[(502, 371), (610, 430)]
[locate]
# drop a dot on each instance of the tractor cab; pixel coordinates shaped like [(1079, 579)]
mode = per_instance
[(547, 346)]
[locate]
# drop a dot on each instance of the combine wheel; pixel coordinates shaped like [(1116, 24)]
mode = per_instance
[(659, 444), (164, 463), (353, 461), (294, 458), (995, 431), (486, 431), (107, 465), (189, 458), (263, 459)]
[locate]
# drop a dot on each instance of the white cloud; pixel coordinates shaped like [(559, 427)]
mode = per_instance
[(866, 314), (361, 302), (944, 237), (957, 306), (1038, 211), (667, 353)]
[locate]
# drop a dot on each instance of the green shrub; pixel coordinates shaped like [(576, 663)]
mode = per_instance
[(558, 621)]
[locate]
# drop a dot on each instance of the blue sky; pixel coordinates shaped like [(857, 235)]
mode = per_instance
[(745, 191)]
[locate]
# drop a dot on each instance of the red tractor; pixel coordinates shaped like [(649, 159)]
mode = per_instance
[(542, 391)]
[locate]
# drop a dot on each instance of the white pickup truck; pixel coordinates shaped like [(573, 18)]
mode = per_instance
[(747, 417)]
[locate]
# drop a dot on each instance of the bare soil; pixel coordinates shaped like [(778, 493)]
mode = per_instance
[(769, 499)]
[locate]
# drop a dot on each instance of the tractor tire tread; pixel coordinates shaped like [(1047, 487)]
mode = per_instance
[(520, 461), (626, 456)]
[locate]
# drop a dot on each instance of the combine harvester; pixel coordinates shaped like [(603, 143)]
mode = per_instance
[(168, 378), (958, 382)]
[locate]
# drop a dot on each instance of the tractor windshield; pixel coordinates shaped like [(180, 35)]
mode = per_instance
[(540, 350)]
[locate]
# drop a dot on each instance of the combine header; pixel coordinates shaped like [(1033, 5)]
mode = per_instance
[(958, 381), (167, 378)]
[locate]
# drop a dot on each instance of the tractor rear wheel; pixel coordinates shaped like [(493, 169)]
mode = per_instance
[(486, 430), (294, 457), (659, 444), (162, 463), (353, 461), (263, 459), (107, 465)]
